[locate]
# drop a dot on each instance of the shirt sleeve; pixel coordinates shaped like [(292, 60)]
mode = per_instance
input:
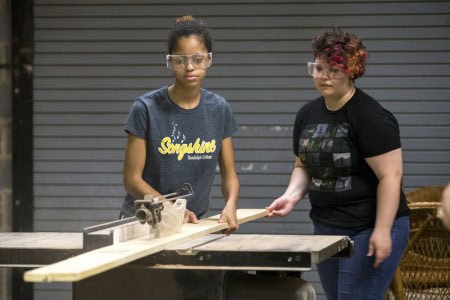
[(137, 122), (231, 126), (378, 131), (296, 131)]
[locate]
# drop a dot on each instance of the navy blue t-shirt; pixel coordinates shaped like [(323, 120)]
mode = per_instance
[(183, 145)]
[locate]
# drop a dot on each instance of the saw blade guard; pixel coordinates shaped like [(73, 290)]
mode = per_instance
[(172, 217)]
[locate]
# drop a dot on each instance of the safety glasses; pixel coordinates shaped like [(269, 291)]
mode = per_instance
[(198, 61), (319, 70)]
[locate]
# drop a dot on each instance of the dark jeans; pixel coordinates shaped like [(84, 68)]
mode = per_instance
[(356, 277)]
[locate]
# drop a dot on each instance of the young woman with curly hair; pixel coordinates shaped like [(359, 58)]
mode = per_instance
[(348, 159), (179, 132)]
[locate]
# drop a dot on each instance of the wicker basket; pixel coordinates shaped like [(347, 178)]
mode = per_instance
[(425, 266)]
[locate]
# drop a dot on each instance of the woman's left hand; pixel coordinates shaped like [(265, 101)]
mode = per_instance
[(189, 217), (380, 244), (229, 216)]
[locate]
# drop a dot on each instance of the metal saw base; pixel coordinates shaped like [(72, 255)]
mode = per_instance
[(200, 269), (143, 283)]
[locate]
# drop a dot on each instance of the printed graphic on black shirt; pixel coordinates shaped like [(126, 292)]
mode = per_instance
[(325, 152)]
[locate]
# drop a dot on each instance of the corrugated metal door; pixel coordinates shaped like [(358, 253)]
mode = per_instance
[(93, 57)]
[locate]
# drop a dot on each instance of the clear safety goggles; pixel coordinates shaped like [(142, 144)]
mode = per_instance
[(180, 62), (319, 70)]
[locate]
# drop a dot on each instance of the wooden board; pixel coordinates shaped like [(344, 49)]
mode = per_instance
[(106, 258)]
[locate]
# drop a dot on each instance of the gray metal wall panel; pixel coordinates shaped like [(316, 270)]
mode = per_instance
[(93, 57)]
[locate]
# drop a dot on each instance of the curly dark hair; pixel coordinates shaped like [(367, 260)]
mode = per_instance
[(343, 49), (186, 26)]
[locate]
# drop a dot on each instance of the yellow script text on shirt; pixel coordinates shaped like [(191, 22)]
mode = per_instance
[(199, 147)]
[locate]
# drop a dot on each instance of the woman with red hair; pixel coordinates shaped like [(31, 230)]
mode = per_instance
[(348, 159)]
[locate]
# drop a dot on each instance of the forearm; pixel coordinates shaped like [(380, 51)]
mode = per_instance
[(230, 190), (389, 171), (388, 198), (138, 188), (229, 178), (135, 157), (296, 190), (298, 184)]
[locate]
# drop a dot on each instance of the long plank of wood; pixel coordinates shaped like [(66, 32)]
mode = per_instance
[(107, 258)]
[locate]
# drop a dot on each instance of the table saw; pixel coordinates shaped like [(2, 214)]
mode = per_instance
[(198, 264)]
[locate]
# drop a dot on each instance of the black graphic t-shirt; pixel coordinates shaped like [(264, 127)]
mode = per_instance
[(332, 146)]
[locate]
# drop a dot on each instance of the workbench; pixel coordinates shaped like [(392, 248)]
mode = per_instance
[(146, 276), (200, 265)]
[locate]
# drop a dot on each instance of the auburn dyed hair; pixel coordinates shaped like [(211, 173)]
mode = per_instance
[(341, 49)]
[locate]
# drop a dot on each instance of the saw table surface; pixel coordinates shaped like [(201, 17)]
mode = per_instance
[(260, 243), (250, 252), (32, 249), (41, 240)]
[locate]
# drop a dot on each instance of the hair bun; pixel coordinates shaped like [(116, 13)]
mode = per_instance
[(185, 19)]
